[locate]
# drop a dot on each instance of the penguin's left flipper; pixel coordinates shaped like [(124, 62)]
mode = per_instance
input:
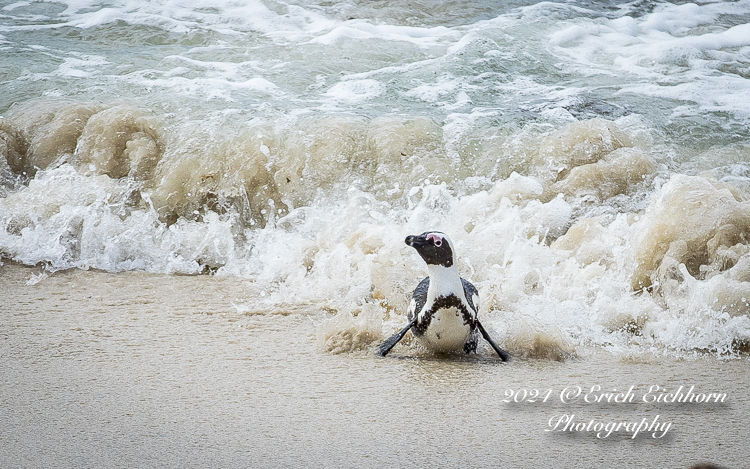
[(504, 356), (391, 342)]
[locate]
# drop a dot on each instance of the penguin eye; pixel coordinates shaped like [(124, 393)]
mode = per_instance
[(437, 241)]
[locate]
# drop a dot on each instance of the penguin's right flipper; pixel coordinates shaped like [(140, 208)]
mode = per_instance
[(391, 342)]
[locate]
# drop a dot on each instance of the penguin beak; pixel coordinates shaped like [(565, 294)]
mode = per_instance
[(416, 241)]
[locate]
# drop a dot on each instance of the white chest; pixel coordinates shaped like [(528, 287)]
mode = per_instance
[(446, 331)]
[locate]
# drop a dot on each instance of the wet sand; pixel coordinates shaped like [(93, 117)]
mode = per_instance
[(139, 370)]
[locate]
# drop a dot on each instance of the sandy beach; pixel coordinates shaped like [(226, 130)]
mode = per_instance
[(139, 370)]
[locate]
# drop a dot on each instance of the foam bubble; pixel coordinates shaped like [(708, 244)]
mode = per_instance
[(352, 91), (517, 188), (589, 241), (423, 37)]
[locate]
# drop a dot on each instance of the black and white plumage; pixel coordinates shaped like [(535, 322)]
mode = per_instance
[(443, 309)]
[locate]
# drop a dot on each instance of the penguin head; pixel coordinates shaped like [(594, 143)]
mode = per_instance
[(435, 247)]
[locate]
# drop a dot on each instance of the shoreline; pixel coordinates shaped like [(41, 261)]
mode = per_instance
[(135, 369)]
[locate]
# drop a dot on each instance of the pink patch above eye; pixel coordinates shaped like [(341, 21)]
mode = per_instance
[(436, 240)]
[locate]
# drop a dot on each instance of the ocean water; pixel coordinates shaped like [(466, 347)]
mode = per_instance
[(589, 160)]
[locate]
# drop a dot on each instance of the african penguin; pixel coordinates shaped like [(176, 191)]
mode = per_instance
[(443, 309)]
